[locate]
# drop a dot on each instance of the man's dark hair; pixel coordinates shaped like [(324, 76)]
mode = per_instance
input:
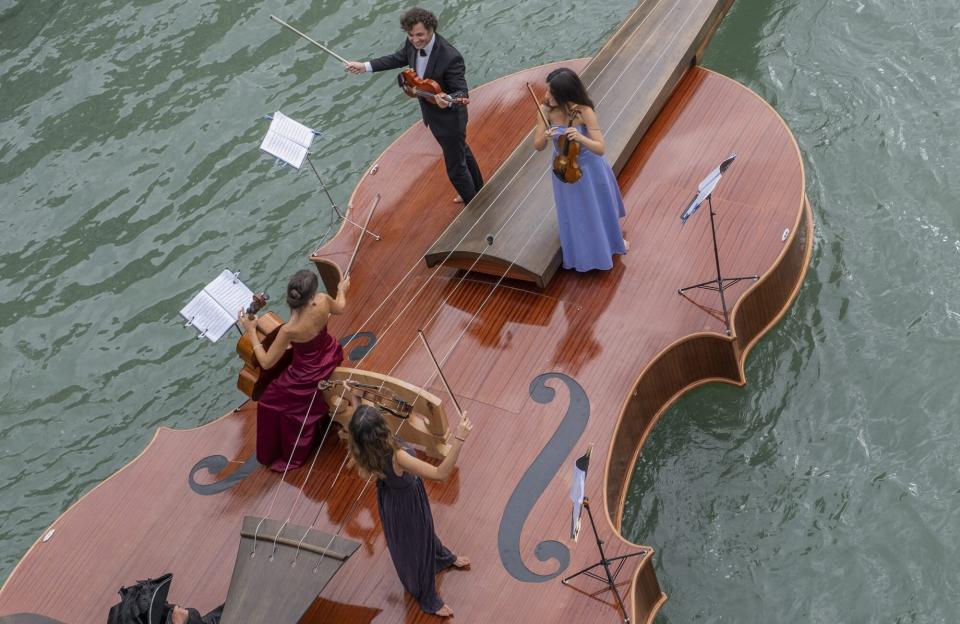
[(415, 16)]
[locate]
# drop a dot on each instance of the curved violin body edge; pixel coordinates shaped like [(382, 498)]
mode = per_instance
[(331, 274), (646, 597), (160, 436), (704, 358)]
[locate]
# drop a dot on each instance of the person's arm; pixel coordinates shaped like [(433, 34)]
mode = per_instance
[(390, 61), (594, 142), (266, 358), (541, 135), (422, 469), (338, 305)]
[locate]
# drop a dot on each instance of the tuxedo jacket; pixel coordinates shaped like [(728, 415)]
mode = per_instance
[(446, 66)]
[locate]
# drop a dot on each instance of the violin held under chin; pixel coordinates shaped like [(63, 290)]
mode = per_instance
[(415, 86)]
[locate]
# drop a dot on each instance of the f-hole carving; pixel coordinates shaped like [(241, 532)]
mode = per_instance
[(536, 479)]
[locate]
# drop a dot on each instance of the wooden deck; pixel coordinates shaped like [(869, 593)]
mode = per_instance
[(630, 79), (615, 348)]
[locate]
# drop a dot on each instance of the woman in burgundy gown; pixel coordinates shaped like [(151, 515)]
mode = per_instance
[(290, 409), (416, 551)]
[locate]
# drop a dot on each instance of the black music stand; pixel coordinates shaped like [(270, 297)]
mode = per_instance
[(609, 577), (705, 193), (583, 502)]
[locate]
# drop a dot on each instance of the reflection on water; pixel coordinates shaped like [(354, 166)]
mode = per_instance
[(130, 175)]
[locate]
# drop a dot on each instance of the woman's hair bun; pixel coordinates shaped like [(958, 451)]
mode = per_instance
[(301, 288)]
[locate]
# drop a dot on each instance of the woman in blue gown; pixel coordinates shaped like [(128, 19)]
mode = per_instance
[(588, 210), (417, 553)]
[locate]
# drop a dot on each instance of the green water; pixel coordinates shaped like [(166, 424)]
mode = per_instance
[(824, 491)]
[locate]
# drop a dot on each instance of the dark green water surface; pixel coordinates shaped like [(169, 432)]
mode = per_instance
[(825, 491)]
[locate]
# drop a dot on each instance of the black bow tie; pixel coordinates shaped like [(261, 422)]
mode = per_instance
[(423, 52)]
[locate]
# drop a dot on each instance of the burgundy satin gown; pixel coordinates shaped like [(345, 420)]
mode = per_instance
[(283, 405)]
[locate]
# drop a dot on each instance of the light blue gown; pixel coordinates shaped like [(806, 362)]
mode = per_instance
[(588, 212)]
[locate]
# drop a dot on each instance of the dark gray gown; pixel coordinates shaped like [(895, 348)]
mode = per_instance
[(414, 547)]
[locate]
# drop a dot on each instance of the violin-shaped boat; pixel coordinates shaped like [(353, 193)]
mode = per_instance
[(546, 363)]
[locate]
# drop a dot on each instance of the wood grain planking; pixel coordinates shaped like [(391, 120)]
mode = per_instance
[(602, 329)]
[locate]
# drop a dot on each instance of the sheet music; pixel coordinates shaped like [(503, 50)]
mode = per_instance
[(578, 487), (230, 293), (288, 140), (214, 309)]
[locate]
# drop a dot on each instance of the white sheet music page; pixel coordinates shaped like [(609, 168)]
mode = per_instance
[(288, 140), (214, 309)]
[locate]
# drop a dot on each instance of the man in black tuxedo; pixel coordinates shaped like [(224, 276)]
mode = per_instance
[(432, 56)]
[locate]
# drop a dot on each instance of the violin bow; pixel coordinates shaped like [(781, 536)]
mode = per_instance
[(440, 370), (536, 103), (316, 43)]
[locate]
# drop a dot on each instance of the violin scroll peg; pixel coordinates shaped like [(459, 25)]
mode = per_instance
[(259, 302)]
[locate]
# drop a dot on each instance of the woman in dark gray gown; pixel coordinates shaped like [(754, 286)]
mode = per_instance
[(417, 553)]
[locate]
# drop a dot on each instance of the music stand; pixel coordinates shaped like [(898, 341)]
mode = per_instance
[(289, 141), (705, 193), (580, 501)]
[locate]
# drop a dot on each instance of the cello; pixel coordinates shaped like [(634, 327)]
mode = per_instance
[(542, 372), (253, 379)]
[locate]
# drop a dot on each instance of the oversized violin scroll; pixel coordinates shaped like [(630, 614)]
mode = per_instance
[(565, 164), (253, 379), (330, 272), (415, 86)]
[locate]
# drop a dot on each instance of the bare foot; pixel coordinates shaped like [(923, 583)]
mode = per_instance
[(180, 615), (626, 244), (444, 611), (458, 200), (462, 563)]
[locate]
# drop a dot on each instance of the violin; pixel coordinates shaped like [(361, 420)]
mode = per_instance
[(253, 379), (565, 164), (415, 86)]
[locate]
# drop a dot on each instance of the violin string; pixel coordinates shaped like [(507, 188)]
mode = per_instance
[(653, 66), (439, 308), (333, 483), (364, 326), (346, 519), (276, 490), (412, 299), (463, 278), (489, 296)]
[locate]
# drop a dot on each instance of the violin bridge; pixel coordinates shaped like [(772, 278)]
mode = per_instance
[(425, 424)]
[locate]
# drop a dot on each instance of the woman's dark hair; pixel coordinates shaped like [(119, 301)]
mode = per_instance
[(301, 288), (371, 441), (415, 16), (567, 88)]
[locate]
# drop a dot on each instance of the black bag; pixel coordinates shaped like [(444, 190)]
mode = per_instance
[(143, 603)]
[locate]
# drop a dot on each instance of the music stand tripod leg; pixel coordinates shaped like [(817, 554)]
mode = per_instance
[(609, 577), (720, 283), (333, 204)]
